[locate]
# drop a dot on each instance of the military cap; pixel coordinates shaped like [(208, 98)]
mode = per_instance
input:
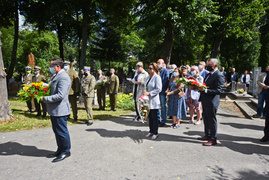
[(87, 68), (28, 68), (66, 62), (37, 68), (183, 67)]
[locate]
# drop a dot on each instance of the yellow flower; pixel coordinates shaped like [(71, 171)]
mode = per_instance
[(242, 90)]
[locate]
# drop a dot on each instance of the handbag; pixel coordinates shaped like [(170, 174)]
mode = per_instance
[(181, 94)]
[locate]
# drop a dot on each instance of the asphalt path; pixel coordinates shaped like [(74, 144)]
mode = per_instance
[(117, 149)]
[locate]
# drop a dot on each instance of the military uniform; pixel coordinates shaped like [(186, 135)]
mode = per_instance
[(113, 87), (27, 79), (74, 90), (87, 89), (37, 79), (101, 93)]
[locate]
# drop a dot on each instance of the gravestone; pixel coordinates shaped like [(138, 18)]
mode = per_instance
[(241, 86), (256, 74)]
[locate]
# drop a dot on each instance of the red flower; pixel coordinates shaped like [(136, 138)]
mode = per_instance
[(37, 87), (204, 84), (28, 90), (36, 92), (193, 83), (32, 95)]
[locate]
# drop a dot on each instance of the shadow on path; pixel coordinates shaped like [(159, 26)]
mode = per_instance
[(244, 145), (244, 126), (219, 173), (138, 136), (14, 148)]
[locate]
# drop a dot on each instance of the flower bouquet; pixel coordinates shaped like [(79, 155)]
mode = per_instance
[(226, 87), (240, 91), (192, 82), (144, 107), (99, 84), (35, 90)]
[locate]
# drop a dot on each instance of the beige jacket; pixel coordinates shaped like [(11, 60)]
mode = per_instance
[(140, 87), (260, 82)]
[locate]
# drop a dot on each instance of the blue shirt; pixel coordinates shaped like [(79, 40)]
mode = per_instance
[(164, 73)]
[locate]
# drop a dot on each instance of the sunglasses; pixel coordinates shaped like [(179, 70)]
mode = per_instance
[(150, 68)]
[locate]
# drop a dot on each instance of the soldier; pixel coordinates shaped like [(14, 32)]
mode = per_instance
[(101, 91), (37, 78), (27, 79), (87, 88), (74, 90), (113, 86)]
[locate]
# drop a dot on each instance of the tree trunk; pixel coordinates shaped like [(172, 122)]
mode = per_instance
[(216, 46), (85, 24), (168, 45), (5, 111), (60, 39), (15, 43)]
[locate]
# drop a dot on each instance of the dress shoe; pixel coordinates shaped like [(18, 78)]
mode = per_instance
[(53, 155), (161, 124), (89, 123), (38, 115), (210, 143), (203, 138), (256, 116), (264, 139), (75, 119), (61, 157)]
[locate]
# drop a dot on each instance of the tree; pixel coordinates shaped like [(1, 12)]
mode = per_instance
[(5, 111), (236, 17), (9, 14), (163, 21)]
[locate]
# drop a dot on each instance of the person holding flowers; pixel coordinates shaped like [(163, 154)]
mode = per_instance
[(192, 95), (176, 104), (153, 85), (59, 109), (27, 80), (138, 88), (38, 78), (210, 98)]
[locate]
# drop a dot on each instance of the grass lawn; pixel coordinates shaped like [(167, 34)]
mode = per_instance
[(25, 121)]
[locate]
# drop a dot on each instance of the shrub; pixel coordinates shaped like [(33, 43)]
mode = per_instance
[(124, 101)]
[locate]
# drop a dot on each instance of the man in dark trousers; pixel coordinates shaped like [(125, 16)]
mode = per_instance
[(266, 128), (232, 76), (210, 98), (59, 109)]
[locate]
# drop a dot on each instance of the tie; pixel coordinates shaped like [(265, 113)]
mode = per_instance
[(207, 77)]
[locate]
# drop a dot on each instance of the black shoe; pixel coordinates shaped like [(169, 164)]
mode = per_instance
[(114, 110), (75, 119), (89, 123), (61, 157), (53, 155), (44, 115), (38, 115), (264, 139), (161, 124)]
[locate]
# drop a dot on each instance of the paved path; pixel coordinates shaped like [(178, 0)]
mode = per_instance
[(117, 149)]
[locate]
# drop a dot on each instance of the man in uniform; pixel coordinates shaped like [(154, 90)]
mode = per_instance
[(101, 91), (74, 90), (27, 79), (87, 89), (37, 78), (113, 87)]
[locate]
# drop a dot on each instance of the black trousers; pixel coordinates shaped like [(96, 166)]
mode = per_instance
[(266, 128), (210, 120), (136, 104), (153, 121)]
